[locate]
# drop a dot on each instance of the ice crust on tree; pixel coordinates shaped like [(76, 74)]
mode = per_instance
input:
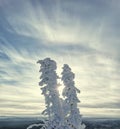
[(62, 113)]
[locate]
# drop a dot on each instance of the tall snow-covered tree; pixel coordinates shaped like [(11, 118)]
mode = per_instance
[(62, 113), (49, 89), (73, 116)]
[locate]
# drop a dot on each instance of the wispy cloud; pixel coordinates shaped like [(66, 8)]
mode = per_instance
[(81, 33)]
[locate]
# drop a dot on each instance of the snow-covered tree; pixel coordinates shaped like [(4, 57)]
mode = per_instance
[(73, 117), (49, 89), (62, 113)]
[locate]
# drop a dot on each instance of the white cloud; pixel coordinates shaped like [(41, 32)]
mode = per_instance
[(81, 43)]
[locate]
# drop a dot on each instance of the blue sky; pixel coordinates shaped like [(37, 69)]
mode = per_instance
[(81, 33)]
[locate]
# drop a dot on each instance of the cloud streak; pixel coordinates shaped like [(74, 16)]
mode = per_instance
[(83, 34)]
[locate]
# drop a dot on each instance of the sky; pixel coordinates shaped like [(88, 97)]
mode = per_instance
[(85, 34)]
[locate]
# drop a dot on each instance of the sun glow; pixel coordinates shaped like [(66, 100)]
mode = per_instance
[(60, 89)]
